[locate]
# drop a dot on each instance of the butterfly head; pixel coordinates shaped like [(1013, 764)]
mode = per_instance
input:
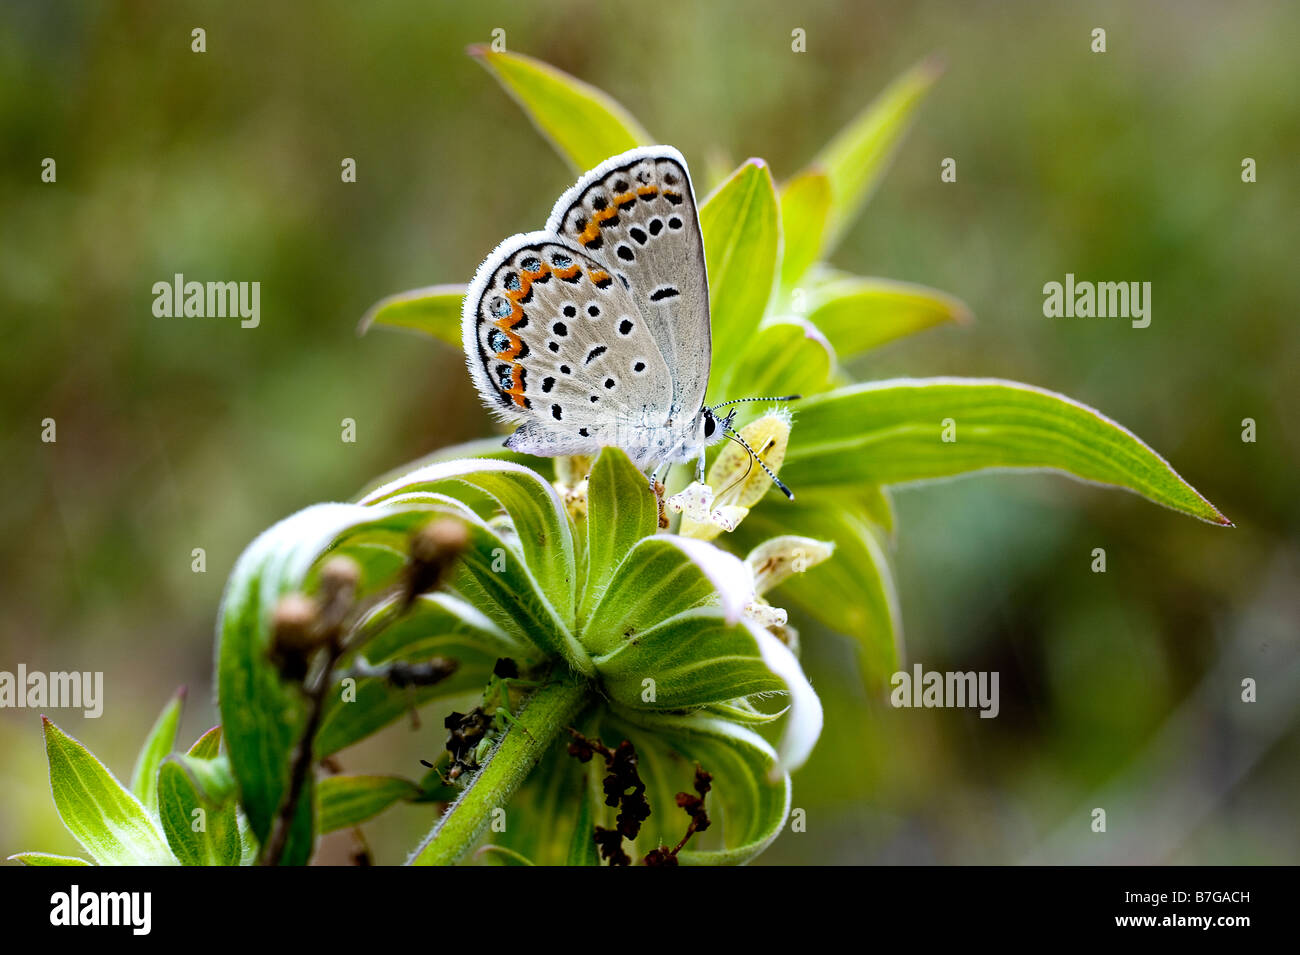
[(714, 428)]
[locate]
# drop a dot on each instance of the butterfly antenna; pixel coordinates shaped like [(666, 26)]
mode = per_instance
[(761, 463), (736, 401)]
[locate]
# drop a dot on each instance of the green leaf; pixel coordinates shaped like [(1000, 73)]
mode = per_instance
[(46, 859), (742, 243), (750, 798), (197, 807), (347, 801), (853, 592), (787, 356), (103, 815), (621, 510), (858, 314), (160, 741), (693, 658), (877, 507), (434, 310), (533, 506), (662, 576), (858, 156), (658, 623), (585, 125), (208, 745), (805, 209), (890, 432)]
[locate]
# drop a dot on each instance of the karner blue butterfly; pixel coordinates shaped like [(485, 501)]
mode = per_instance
[(595, 331)]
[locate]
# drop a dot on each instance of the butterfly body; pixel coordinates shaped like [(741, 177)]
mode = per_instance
[(595, 330)]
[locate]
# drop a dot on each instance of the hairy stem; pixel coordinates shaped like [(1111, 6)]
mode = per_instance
[(539, 721)]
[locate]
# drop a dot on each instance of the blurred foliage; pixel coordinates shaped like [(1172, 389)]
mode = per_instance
[(176, 434)]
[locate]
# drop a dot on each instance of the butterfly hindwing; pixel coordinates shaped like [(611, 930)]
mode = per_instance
[(636, 216), (555, 340)]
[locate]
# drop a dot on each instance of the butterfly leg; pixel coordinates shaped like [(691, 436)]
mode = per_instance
[(654, 476)]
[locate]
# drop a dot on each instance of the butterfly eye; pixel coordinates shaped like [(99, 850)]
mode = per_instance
[(710, 425)]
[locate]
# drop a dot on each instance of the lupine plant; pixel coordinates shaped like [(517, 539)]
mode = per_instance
[(639, 695)]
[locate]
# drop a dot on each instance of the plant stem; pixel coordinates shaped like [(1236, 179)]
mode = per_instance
[(544, 715)]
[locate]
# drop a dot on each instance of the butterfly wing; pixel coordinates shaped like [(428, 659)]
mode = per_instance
[(554, 340), (636, 215)]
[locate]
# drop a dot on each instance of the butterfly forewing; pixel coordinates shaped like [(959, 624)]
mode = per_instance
[(555, 340), (636, 215)]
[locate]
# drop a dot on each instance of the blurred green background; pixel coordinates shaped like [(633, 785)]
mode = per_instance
[(1119, 690)]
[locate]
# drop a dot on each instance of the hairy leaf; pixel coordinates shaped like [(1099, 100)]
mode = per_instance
[(585, 125), (742, 243), (103, 815), (858, 314), (891, 432), (434, 310), (160, 741)]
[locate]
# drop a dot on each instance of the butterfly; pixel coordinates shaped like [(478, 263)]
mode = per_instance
[(595, 330)]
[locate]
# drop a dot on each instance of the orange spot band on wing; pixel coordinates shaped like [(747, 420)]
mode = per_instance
[(593, 224)]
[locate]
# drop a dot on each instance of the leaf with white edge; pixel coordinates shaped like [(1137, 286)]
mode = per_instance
[(584, 124), (196, 804), (891, 432), (621, 511), (346, 801), (805, 209), (741, 223), (489, 448), (859, 314), (46, 859), (697, 658), (858, 156), (160, 741), (852, 593), (103, 815), (748, 803), (662, 576), (534, 508), (434, 310)]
